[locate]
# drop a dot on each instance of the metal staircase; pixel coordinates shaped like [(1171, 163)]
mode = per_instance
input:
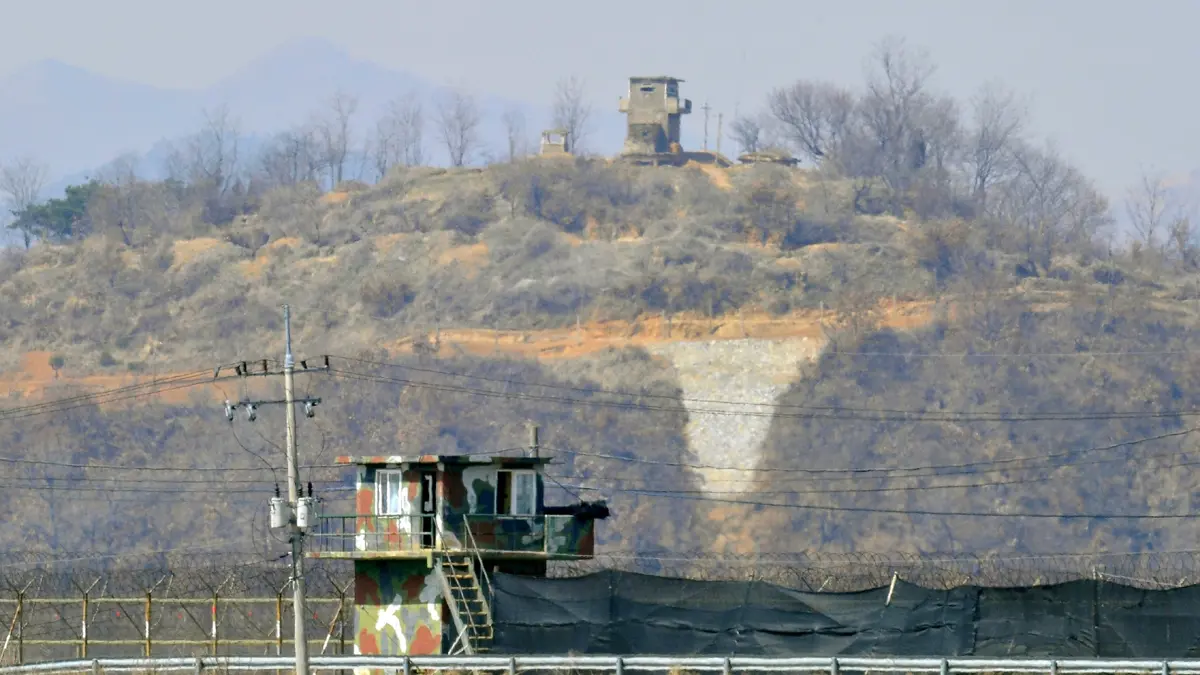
[(466, 597)]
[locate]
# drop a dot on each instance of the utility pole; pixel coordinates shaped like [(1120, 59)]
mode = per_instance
[(720, 120), (297, 535), (535, 448), (297, 512), (706, 108)]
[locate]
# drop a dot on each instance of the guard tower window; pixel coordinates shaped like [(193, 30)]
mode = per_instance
[(516, 493), (389, 487), (672, 90), (647, 89)]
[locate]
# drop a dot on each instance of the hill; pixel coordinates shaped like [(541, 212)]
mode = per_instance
[(739, 360)]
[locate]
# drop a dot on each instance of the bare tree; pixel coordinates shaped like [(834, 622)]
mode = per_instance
[(1182, 241), (1051, 206), (334, 131), (1147, 206), (895, 102), (998, 122), (747, 132), (458, 122), (208, 158), (515, 130), (117, 207), (21, 183), (814, 117), (940, 138), (572, 111), (399, 135), (292, 157)]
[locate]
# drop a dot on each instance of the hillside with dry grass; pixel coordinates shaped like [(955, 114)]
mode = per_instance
[(739, 360)]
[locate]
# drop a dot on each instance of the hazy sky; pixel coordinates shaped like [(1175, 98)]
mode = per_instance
[(1109, 82)]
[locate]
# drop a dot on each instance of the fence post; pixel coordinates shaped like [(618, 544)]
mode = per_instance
[(199, 667), (149, 648), (341, 647), (20, 628), (620, 668), (1053, 667), (83, 639), (278, 627), (727, 667), (216, 640), (95, 666), (407, 665), (512, 665), (834, 667), (1166, 669), (945, 670)]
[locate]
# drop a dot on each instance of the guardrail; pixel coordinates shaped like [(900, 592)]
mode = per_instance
[(354, 533), (619, 664)]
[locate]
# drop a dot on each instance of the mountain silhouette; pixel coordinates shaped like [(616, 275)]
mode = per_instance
[(76, 120)]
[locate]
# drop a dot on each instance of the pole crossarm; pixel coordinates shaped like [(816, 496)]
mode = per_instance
[(280, 401)]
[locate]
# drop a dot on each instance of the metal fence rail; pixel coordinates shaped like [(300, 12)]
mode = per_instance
[(619, 664)]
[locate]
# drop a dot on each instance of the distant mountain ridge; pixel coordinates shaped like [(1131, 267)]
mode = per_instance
[(76, 120)]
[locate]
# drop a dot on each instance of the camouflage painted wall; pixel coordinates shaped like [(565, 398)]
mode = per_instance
[(569, 535), (468, 496), (399, 533), (397, 608)]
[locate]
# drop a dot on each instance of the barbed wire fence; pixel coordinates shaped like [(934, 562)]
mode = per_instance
[(230, 605)]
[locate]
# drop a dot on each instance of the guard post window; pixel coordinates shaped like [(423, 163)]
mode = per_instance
[(516, 493), (388, 488)]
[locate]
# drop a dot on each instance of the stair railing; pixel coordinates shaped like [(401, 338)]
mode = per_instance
[(486, 587)]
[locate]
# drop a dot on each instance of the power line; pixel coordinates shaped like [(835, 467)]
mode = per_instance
[(886, 469), (673, 398), (119, 467), (841, 491), (102, 393), (920, 512), (904, 416), (96, 400)]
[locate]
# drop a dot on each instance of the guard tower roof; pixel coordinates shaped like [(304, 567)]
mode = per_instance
[(448, 460), (654, 78)]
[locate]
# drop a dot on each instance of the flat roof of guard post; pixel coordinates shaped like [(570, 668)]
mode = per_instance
[(448, 460)]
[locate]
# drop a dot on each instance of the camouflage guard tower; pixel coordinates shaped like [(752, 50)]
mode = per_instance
[(426, 534), (654, 109)]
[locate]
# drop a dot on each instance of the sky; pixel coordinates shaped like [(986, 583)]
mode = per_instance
[(1109, 83)]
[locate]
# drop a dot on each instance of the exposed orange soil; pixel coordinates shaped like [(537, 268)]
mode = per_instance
[(594, 337), (718, 176), (35, 379), (473, 254), (335, 198), (253, 269), (186, 250)]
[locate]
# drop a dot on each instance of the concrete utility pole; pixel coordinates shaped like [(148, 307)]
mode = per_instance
[(535, 447), (720, 119), (297, 535), (296, 513), (706, 108)]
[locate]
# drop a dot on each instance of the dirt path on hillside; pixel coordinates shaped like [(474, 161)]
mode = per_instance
[(36, 380)]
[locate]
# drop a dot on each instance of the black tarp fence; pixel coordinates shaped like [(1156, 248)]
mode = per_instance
[(614, 612)]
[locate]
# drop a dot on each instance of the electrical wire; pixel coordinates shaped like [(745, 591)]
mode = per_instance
[(842, 491), (906, 417), (919, 512), (780, 406), (886, 469)]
